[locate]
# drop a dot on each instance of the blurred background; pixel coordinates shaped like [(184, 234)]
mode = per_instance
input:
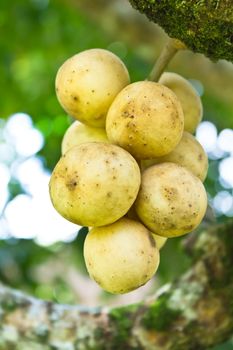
[(40, 252)]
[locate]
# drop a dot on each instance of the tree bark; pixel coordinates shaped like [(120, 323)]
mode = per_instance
[(204, 26), (194, 312)]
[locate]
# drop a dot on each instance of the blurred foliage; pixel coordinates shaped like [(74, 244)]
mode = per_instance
[(36, 37), (23, 265)]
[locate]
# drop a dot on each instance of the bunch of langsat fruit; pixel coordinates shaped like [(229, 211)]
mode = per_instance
[(128, 169)]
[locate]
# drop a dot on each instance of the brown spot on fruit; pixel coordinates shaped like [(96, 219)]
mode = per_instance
[(170, 193), (151, 240), (71, 184)]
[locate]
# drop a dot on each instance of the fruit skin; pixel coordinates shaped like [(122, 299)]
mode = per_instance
[(171, 201), (188, 153), (146, 119), (159, 240), (94, 184), (190, 101), (87, 83), (122, 256), (79, 133)]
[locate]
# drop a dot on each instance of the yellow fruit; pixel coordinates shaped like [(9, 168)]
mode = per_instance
[(188, 153), (146, 119), (171, 201), (79, 133), (87, 83), (94, 184), (122, 256), (159, 240), (190, 101)]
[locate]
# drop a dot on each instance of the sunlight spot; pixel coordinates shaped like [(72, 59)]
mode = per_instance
[(20, 132), (4, 175), (4, 180), (223, 202), (4, 230), (18, 123), (216, 153), (34, 216), (31, 175), (19, 215), (225, 140), (225, 170), (7, 153), (206, 134), (30, 143), (3, 198)]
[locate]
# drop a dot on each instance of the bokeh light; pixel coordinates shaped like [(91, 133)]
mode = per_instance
[(20, 131), (226, 170), (223, 203), (31, 214), (225, 140), (206, 134)]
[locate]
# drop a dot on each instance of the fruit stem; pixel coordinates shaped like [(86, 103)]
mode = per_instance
[(168, 52)]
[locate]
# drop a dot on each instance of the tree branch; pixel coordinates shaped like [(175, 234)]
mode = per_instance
[(169, 51), (194, 312), (204, 26)]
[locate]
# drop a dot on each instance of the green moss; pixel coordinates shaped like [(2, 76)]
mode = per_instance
[(215, 246), (225, 234), (159, 316), (9, 304), (42, 333), (122, 320), (204, 28), (99, 333)]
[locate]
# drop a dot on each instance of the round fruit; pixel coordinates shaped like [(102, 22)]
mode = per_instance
[(171, 201), (79, 133), (87, 83), (190, 101), (146, 119), (94, 184), (159, 240), (188, 153), (122, 256)]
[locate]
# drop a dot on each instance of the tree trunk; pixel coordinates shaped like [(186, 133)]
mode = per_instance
[(204, 26), (194, 312)]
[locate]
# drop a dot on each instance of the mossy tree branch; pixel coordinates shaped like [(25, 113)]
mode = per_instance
[(204, 26), (194, 312)]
